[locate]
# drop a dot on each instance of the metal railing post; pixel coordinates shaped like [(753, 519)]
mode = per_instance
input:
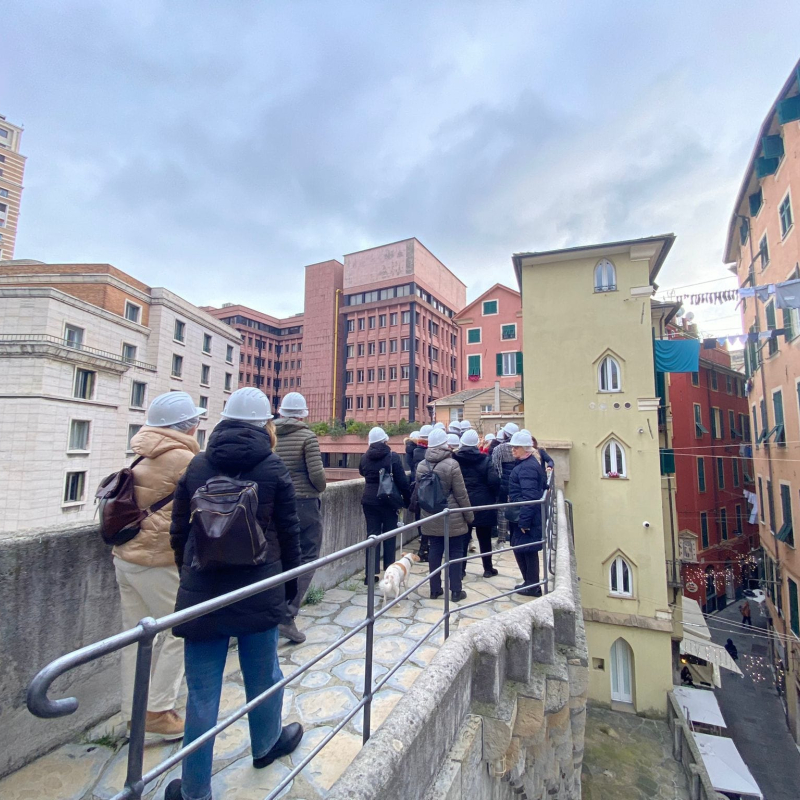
[(372, 557), (545, 546), (141, 692), (447, 573)]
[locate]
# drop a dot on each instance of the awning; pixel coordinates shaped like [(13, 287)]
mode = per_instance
[(708, 651), (725, 767), (693, 620), (699, 705)]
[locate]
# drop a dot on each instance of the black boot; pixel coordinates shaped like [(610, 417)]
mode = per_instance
[(287, 743), (173, 791)]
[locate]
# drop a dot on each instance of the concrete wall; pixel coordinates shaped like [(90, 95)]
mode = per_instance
[(500, 711), (58, 593)]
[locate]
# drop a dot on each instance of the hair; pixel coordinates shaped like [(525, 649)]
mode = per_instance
[(273, 437), (535, 443), (185, 425)]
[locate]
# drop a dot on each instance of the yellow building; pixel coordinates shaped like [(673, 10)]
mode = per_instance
[(588, 329)]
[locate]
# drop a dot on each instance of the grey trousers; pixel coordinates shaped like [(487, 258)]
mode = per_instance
[(309, 512)]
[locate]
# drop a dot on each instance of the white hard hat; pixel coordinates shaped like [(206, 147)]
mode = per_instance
[(452, 440), (425, 431), (172, 407), (470, 439), (490, 437), (377, 434), (249, 405), (293, 405), (455, 427), (465, 424), (414, 436), (521, 439), (510, 428), (438, 425), (437, 438)]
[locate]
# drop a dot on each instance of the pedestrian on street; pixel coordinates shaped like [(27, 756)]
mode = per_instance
[(744, 609), (482, 483), (145, 566), (439, 459), (454, 429), (487, 442), (240, 449), (453, 441), (298, 448), (504, 462), (732, 651), (528, 481), (380, 515), (417, 459)]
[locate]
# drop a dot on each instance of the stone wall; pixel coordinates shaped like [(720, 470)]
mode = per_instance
[(500, 712), (58, 593)]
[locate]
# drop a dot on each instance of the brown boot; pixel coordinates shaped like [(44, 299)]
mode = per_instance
[(163, 726)]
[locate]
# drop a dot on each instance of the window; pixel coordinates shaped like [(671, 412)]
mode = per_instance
[(474, 366), (508, 331), (229, 354), (785, 214), (406, 318), (349, 351), (360, 349), (370, 401), (371, 375), (381, 373), (73, 336), (128, 352), (207, 343), (392, 345), (359, 403), (393, 318), (3, 192), (361, 323), (509, 363), (228, 378), (433, 378), (79, 434), (403, 401), (204, 404), (348, 376), (473, 335), (433, 353), (620, 577), (613, 460), (371, 349), (704, 530), (137, 394), (608, 375), (717, 425), (794, 613), (732, 424), (84, 384), (739, 519), (713, 381), (695, 379), (348, 404), (723, 522), (778, 433), (405, 345), (201, 438), (382, 320), (771, 506), (132, 311), (132, 431), (382, 347), (392, 401), (392, 373), (605, 277), (177, 366), (205, 375), (489, 307), (699, 430), (769, 312), (359, 376), (761, 511), (433, 328), (786, 532), (179, 334), (701, 474), (405, 372), (763, 251), (744, 427), (736, 478), (371, 323), (74, 487), (351, 325), (381, 401)]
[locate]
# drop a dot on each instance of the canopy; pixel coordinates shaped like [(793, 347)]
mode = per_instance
[(693, 620), (708, 651), (699, 705), (725, 767)]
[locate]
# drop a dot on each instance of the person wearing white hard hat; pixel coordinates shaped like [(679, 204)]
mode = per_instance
[(440, 464), (417, 458), (439, 425), (410, 443), (380, 513), (487, 440), (240, 457), (503, 461), (298, 448), (454, 428), (482, 483), (465, 425), (528, 481), (145, 566), (453, 441)]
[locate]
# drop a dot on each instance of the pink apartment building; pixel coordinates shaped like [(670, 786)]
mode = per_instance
[(491, 339)]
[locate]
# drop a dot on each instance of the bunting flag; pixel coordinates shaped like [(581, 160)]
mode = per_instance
[(708, 298)]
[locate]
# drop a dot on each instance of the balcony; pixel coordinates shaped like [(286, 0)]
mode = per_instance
[(674, 577)]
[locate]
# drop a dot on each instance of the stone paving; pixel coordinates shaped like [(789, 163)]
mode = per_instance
[(95, 768)]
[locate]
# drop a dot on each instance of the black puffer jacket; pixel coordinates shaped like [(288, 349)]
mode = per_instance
[(417, 459), (481, 480), (411, 446), (380, 456), (528, 482), (240, 450)]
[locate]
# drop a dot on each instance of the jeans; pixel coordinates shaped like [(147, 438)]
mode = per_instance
[(746, 621), (527, 557), (458, 549), (484, 533), (382, 519), (205, 664), (310, 514)]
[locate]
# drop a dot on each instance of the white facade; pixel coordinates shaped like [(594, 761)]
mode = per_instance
[(45, 478)]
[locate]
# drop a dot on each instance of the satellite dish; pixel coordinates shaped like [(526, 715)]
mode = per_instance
[(690, 316)]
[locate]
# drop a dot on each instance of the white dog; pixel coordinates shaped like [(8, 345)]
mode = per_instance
[(394, 579)]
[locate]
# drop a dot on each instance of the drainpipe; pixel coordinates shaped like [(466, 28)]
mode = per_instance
[(337, 294), (412, 380)]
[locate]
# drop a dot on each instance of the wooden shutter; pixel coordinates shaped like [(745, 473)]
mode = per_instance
[(519, 362), (499, 363)]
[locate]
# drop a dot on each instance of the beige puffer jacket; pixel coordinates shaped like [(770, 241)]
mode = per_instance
[(441, 461), (166, 453)]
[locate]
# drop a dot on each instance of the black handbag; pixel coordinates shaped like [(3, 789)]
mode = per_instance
[(387, 489)]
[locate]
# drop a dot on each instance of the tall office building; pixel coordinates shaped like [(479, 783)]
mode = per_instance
[(12, 167)]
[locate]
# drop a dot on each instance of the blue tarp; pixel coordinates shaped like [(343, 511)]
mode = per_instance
[(677, 355)]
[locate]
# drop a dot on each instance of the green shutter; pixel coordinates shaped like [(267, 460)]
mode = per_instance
[(519, 362), (755, 200), (788, 330), (772, 146), (789, 110), (499, 363), (743, 230), (770, 312), (474, 365), (766, 166), (794, 610), (667, 461)]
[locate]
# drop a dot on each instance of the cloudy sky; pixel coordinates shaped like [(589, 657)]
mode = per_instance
[(216, 148)]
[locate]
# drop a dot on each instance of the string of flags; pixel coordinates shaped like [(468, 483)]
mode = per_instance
[(786, 294), (708, 298), (743, 339)]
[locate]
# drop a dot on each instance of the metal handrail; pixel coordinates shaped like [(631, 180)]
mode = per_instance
[(43, 337), (145, 632)]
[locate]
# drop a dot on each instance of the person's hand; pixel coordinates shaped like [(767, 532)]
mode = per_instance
[(524, 530)]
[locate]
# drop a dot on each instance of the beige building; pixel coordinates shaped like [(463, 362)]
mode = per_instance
[(487, 409), (764, 249), (12, 167), (599, 398)]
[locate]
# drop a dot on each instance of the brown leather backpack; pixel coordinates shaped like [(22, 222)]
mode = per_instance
[(120, 516)]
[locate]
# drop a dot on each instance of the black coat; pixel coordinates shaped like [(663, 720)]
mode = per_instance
[(240, 450), (528, 482), (380, 456), (417, 459), (482, 482), (411, 446)]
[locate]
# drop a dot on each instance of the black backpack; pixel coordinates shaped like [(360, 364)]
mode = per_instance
[(225, 526), (431, 495), (388, 492)]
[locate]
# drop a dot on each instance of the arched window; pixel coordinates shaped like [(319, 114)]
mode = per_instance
[(621, 577), (605, 277), (613, 460), (609, 375)]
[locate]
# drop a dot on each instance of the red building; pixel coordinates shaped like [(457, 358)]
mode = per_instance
[(713, 470)]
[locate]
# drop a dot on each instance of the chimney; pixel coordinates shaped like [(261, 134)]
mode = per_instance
[(497, 395)]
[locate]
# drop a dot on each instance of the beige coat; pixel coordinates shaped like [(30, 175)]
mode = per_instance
[(166, 453), (441, 460)]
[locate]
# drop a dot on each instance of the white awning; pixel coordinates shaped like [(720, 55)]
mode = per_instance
[(693, 620), (699, 705), (708, 651), (725, 767)]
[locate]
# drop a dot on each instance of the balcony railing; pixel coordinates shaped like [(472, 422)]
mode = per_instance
[(674, 576), (36, 338)]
